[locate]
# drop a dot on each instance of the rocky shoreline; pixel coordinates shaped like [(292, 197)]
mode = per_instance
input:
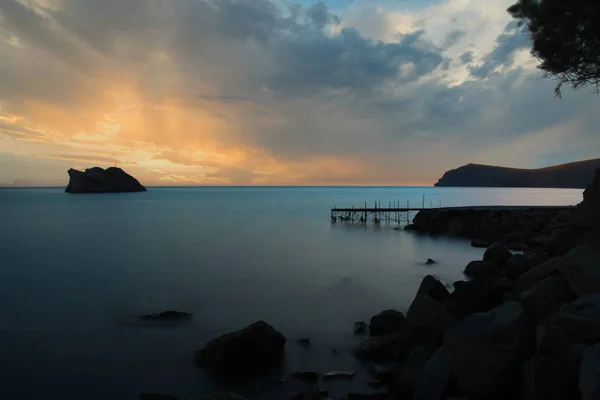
[(525, 326)]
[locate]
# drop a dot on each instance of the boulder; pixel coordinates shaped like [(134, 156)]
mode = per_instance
[(432, 287), (517, 265), (477, 269), (536, 274), (517, 246), (430, 262), (428, 316), (387, 321), (581, 317), (436, 375), (497, 254), (480, 243), (314, 394), (256, 348), (582, 270), (167, 316), (478, 295), (98, 180), (423, 221), (155, 396), (549, 297), (561, 242), (589, 377), (557, 364), (413, 366), (538, 241), (488, 349)]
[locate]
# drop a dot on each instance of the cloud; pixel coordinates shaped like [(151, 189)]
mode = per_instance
[(507, 44), (259, 92)]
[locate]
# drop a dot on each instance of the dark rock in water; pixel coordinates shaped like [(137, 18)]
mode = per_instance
[(154, 396), (387, 321), (430, 262), (480, 243), (487, 350), (589, 384), (169, 315), (306, 376), (410, 227), (360, 328), (304, 342), (254, 349), (480, 268), (432, 287), (98, 180), (497, 254)]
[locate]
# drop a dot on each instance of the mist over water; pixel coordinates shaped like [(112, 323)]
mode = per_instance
[(76, 269)]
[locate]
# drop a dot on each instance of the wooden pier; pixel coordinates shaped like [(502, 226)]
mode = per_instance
[(394, 213)]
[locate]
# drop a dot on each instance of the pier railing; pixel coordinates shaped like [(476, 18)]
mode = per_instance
[(394, 213)]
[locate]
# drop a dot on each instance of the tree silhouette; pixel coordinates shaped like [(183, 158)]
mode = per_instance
[(566, 39)]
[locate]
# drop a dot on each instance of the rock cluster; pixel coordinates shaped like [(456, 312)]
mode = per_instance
[(533, 333), (518, 229)]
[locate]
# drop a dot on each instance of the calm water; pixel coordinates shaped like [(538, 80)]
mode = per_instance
[(74, 269)]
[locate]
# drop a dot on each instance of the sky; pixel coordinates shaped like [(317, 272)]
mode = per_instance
[(269, 92)]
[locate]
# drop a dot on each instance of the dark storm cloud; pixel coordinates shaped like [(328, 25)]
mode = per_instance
[(507, 44)]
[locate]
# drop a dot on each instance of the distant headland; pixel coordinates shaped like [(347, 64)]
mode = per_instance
[(575, 175), (99, 180)]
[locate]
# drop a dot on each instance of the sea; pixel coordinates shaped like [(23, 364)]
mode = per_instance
[(77, 270)]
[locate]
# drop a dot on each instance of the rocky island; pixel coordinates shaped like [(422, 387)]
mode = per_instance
[(575, 175), (99, 180)]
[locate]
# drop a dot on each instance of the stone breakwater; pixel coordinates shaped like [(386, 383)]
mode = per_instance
[(519, 229)]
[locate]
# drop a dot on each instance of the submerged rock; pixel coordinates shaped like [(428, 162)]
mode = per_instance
[(304, 342), (169, 315), (98, 180), (387, 321), (430, 262), (224, 396), (360, 328), (256, 348)]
